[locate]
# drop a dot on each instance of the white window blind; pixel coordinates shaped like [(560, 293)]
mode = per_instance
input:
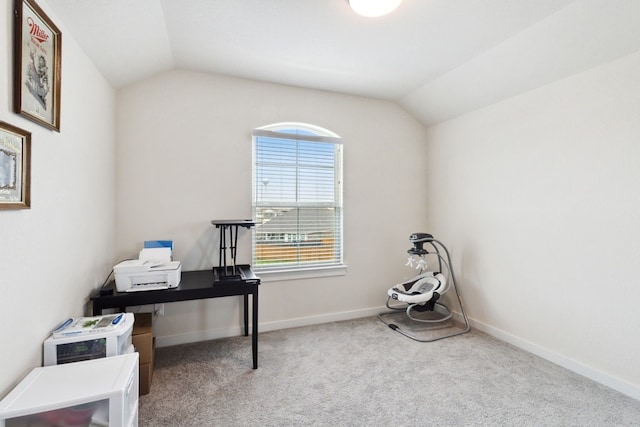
[(297, 199)]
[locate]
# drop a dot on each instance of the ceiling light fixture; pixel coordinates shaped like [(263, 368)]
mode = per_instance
[(373, 8)]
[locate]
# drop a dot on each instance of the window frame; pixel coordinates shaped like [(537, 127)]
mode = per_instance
[(319, 134)]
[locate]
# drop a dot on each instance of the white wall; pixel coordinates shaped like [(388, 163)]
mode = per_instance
[(184, 158), (53, 254), (539, 197)]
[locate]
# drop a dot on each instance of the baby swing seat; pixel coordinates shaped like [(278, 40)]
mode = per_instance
[(422, 289), (421, 293)]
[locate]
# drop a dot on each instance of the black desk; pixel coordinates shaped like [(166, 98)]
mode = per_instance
[(193, 285)]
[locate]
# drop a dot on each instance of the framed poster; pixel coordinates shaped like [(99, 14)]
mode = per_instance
[(15, 167), (38, 44)]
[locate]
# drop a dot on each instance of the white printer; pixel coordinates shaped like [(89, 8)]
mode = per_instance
[(153, 270)]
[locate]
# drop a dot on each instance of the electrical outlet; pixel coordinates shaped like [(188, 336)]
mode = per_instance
[(158, 309)]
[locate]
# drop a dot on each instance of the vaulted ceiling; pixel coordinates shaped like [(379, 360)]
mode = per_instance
[(437, 58)]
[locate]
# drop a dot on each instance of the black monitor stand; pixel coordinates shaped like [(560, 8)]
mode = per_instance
[(231, 272)]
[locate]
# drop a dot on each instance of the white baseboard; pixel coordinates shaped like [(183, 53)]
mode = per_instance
[(596, 375), (573, 365), (235, 331), (323, 318), (211, 334)]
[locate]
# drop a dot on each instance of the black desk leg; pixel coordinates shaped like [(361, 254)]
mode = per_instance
[(246, 315), (254, 329)]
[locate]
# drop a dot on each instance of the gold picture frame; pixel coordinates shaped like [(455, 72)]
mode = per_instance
[(38, 44), (15, 167)]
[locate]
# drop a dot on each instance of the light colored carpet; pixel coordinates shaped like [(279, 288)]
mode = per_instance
[(361, 373)]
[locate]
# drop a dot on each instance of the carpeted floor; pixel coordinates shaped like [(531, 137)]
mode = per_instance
[(361, 373)]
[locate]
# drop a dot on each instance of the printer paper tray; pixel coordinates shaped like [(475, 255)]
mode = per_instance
[(148, 287)]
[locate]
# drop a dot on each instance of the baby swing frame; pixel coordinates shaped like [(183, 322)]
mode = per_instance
[(421, 294)]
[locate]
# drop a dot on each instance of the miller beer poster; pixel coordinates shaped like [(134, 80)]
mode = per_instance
[(39, 79)]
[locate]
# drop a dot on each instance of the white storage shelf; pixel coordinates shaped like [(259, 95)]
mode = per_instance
[(93, 345), (100, 392)]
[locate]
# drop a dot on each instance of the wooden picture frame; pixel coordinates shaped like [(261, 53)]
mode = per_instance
[(38, 44), (15, 167)]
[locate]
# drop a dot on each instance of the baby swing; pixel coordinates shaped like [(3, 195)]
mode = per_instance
[(421, 293)]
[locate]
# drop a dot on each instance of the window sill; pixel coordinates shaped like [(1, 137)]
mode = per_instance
[(297, 274)]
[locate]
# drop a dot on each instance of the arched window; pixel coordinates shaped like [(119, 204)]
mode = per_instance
[(297, 198)]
